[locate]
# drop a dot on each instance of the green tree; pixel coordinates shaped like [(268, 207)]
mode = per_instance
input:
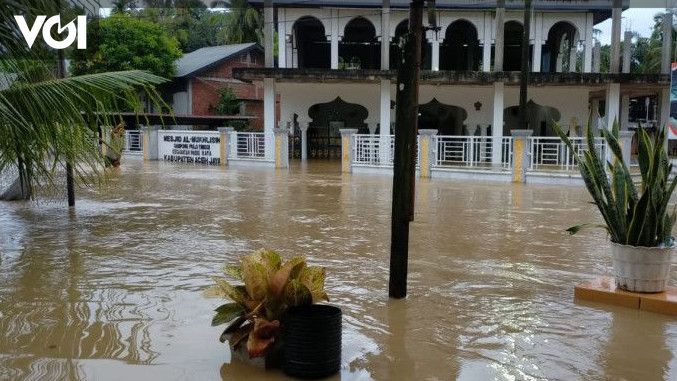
[(243, 24), (47, 121), (123, 42), (228, 103)]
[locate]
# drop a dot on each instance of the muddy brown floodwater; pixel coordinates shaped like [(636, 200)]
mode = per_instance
[(113, 291)]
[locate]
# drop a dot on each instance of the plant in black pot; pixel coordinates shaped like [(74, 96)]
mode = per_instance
[(639, 221), (272, 314)]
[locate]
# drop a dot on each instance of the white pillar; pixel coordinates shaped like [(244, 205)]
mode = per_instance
[(282, 40), (664, 99), (538, 42), (559, 65), (269, 116), (573, 57), (589, 44), (597, 57), (627, 51), (334, 39), (594, 111), (538, 52), (385, 121), (304, 140), (385, 35), (486, 49), (497, 124), (613, 104), (625, 112), (435, 44), (667, 43), (499, 40), (615, 58), (269, 33)]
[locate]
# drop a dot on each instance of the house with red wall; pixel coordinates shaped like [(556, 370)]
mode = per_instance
[(201, 74)]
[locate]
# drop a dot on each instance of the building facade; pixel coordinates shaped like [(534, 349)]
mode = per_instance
[(202, 74), (337, 61)]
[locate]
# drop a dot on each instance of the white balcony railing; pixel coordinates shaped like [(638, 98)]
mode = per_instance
[(471, 151), (249, 145), (550, 153), (133, 141)]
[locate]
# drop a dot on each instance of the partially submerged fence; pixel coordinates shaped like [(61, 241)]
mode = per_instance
[(515, 157), (212, 147)]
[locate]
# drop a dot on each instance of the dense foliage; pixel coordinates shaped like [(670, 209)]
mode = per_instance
[(228, 104), (633, 217), (122, 42), (49, 121), (269, 287)]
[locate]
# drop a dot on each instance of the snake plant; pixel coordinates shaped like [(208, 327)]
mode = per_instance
[(633, 216)]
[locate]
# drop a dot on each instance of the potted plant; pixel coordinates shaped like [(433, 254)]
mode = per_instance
[(639, 221), (259, 305)]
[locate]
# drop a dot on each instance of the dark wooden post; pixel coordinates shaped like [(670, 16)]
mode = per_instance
[(61, 73), (406, 127), (524, 79)]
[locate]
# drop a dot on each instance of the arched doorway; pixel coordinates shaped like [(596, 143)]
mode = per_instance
[(446, 119), (512, 50), (324, 137), (560, 48), (396, 48), (310, 44), (460, 49), (539, 118), (359, 48)]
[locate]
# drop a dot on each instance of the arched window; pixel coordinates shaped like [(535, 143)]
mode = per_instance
[(559, 53), (512, 50), (359, 48), (460, 49), (310, 44), (396, 48)]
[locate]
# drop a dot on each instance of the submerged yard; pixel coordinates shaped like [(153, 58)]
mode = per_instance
[(114, 290)]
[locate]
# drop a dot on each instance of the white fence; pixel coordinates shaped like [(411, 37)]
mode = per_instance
[(248, 145), (367, 150), (550, 153), (133, 141), (471, 151)]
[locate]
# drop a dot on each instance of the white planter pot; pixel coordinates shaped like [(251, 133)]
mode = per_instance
[(641, 269)]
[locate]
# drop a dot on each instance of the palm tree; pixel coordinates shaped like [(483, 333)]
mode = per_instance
[(49, 121), (244, 24)]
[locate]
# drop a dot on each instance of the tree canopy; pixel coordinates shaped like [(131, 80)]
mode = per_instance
[(122, 42)]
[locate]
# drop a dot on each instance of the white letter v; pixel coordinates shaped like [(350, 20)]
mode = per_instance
[(30, 34)]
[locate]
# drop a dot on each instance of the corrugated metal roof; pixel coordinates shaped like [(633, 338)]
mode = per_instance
[(203, 58)]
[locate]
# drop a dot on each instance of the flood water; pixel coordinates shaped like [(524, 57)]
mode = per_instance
[(113, 290)]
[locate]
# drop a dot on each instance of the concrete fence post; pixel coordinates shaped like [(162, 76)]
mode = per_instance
[(224, 134), (281, 146), (521, 152), (347, 149), (427, 149), (625, 140), (150, 143), (105, 139)]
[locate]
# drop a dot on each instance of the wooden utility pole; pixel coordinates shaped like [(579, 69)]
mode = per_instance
[(406, 129), (524, 79)]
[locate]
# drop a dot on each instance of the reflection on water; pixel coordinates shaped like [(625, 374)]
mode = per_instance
[(113, 291)]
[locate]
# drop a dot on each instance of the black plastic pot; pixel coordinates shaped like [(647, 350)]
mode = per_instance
[(312, 341)]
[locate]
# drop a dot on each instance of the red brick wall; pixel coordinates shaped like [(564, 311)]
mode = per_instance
[(206, 85)]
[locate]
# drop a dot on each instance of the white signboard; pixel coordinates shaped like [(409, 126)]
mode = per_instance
[(193, 147)]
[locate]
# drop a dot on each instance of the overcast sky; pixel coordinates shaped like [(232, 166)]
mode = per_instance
[(635, 19)]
